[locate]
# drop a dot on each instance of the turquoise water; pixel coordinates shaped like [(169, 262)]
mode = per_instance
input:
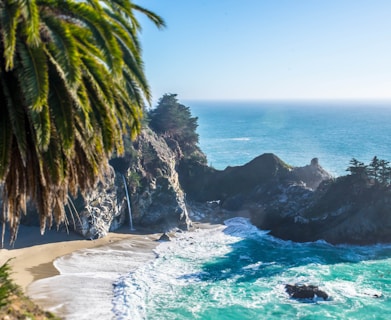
[(239, 272), (233, 133)]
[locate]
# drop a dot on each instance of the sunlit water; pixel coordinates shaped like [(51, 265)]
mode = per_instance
[(239, 272), (233, 133)]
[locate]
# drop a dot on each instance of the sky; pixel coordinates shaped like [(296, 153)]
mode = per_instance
[(269, 49)]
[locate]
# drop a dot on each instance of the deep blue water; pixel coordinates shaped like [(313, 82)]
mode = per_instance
[(233, 133)]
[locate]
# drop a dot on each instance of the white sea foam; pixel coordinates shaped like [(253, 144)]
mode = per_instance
[(83, 290), (228, 268), (240, 139)]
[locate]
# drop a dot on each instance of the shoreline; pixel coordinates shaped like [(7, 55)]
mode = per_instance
[(33, 261), (33, 255)]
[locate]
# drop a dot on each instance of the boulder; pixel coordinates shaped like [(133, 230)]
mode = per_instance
[(297, 291), (164, 237)]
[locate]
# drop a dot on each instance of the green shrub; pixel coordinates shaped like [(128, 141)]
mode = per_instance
[(6, 285)]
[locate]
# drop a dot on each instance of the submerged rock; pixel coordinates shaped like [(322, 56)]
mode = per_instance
[(297, 291)]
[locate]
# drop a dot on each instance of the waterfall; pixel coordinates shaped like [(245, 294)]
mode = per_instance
[(129, 208)]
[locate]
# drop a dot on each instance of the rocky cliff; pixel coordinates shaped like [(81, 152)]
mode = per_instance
[(345, 210), (147, 173), (294, 203), (297, 203)]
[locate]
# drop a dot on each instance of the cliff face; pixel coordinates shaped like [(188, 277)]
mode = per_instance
[(156, 199), (348, 210), (100, 211), (156, 195), (203, 183)]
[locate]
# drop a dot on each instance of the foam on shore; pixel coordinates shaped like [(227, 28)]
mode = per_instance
[(83, 290)]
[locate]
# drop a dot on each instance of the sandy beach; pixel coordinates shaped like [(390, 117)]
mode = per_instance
[(33, 255)]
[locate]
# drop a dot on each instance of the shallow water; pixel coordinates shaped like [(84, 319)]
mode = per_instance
[(84, 288), (239, 272)]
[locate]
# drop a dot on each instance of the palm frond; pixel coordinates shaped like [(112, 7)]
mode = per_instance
[(9, 15), (41, 126), (72, 83), (156, 19), (33, 75), (31, 22), (101, 32), (16, 115), (63, 48), (61, 107)]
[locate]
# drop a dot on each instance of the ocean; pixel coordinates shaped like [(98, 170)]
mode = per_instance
[(233, 133), (237, 271)]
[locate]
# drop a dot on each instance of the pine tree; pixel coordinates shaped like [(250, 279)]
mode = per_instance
[(174, 120), (384, 172), (357, 168), (374, 168)]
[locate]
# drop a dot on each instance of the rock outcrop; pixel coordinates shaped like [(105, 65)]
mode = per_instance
[(348, 210), (306, 292), (297, 203), (101, 211), (203, 183), (157, 198), (312, 175)]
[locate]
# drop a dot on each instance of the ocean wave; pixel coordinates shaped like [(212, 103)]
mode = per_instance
[(239, 271), (240, 139)]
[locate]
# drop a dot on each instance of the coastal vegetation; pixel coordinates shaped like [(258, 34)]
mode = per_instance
[(378, 171), (174, 120), (71, 85), (13, 303)]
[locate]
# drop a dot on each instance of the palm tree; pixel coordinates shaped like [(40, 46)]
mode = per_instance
[(72, 83)]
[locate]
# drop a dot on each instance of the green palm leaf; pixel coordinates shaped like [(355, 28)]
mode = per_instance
[(72, 83), (9, 15), (32, 72), (63, 48)]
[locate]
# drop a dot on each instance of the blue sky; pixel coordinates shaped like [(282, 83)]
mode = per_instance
[(269, 49)]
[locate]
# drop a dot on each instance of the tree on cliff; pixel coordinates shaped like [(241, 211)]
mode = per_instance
[(174, 120), (357, 168), (72, 82), (377, 171)]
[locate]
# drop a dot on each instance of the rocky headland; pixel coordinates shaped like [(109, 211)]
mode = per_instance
[(300, 204), (169, 185)]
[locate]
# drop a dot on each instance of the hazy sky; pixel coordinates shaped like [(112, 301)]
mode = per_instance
[(269, 49)]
